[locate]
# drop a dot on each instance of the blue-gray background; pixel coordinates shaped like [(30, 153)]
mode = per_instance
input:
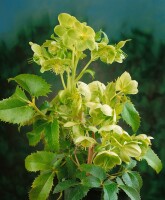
[(116, 16), (22, 21)]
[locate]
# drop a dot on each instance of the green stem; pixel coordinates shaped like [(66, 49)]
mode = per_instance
[(83, 70), (32, 104), (75, 155), (62, 80), (68, 80), (116, 95)]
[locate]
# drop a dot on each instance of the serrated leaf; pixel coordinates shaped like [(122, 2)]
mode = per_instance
[(19, 93), (96, 171), (132, 179), (91, 181), (41, 160), (153, 160), (110, 191), (33, 138), (61, 186), (77, 193), (41, 187), (131, 116), (52, 135), (131, 164), (131, 192), (16, 111), (119, 181), (35, 85), (138, 177), (35, 135)]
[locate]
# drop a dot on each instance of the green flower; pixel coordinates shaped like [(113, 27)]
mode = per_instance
[(56, 64), (106, 53), (75, 34), (107, 160)]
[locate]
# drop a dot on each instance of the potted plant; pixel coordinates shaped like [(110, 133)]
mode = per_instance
[(84, 145)]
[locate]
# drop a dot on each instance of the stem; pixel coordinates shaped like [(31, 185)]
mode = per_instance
[(76, 157), (90, 155), (62, 80), (68, 80), (73, 66), (32, 104), (91, 152), (74, 161), (83, 70), (60, 196), (116, 95)]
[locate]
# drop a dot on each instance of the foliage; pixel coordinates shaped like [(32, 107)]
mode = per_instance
[(81, 121)]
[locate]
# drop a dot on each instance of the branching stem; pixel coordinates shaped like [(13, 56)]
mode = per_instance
[(83, 70), (32, 104)]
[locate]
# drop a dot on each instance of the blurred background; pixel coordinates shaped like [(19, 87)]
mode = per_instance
[(22, 21)]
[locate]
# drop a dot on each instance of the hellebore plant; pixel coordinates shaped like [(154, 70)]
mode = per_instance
[(84, 146)]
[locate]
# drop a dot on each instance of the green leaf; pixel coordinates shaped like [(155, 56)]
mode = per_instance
[(41, 160), (138, 177), (131, 116), (52, 135), (41, 186), (119, 181), (132, 179), (33, 138), (35, 135), (131, 192), (91, 181), (19, 93), (33, 84), (131, 164), (16, 111), (77, 193), (96, 171), (153, 160), (110, 191), (64, 185)]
